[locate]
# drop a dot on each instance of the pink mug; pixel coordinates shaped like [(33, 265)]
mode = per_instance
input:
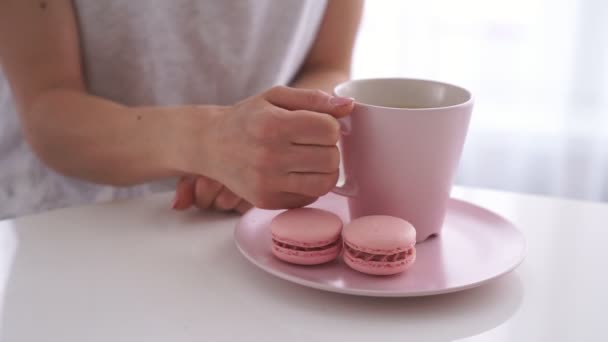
[(401, 146)]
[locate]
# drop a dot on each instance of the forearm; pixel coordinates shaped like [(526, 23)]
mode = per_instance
[(321, 78), (101, 141)]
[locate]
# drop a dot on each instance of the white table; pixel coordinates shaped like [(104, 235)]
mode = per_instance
[(136, 271)]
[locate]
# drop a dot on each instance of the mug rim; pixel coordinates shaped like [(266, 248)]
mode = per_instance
[(468, 102)]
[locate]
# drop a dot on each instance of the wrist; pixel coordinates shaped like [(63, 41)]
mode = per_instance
[(193, 139)]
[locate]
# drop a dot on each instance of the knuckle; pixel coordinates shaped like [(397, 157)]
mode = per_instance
[(326, 183), (266, 126), (316, 96), (222, 201), (203, 202), (334, 177), (333, 159), (317, 185), (334, 131), (279, 89)]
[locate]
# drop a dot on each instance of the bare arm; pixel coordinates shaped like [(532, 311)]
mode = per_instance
[(71, 131), (329, 60), (275, 150)]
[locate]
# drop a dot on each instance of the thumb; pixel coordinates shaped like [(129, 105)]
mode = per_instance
[(309, 99)]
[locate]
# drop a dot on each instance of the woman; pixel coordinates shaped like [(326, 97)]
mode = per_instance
[(100, 98)]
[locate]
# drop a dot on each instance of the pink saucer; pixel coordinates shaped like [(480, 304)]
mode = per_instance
[(475, 247)]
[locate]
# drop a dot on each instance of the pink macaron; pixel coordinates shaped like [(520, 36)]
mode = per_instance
[(379, 245), (306, 236)]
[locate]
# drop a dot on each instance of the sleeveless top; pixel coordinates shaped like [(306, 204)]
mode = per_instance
[(158, 52)]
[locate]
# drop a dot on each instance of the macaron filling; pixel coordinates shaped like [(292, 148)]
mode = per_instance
[(357, 254), (306, 249)]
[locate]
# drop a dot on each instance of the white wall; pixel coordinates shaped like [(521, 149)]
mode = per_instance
[(539, 72)]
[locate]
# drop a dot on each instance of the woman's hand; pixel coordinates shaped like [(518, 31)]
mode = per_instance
[(205, 193), (275, 150)]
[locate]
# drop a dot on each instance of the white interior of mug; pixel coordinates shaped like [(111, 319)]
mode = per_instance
[(404, 93)]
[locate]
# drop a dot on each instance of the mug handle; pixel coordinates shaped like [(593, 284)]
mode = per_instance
[(349, 188)]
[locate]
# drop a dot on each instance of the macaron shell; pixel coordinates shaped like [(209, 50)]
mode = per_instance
[(306, 227), (306, 258), (379, 267), (380, 234)]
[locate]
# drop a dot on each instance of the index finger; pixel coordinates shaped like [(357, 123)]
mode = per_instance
[(309, 99)]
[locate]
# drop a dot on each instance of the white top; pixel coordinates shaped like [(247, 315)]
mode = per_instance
[(158, 52), (135, 271)]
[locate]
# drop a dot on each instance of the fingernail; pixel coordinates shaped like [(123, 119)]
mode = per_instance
[(174, 204), (341, 101)]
